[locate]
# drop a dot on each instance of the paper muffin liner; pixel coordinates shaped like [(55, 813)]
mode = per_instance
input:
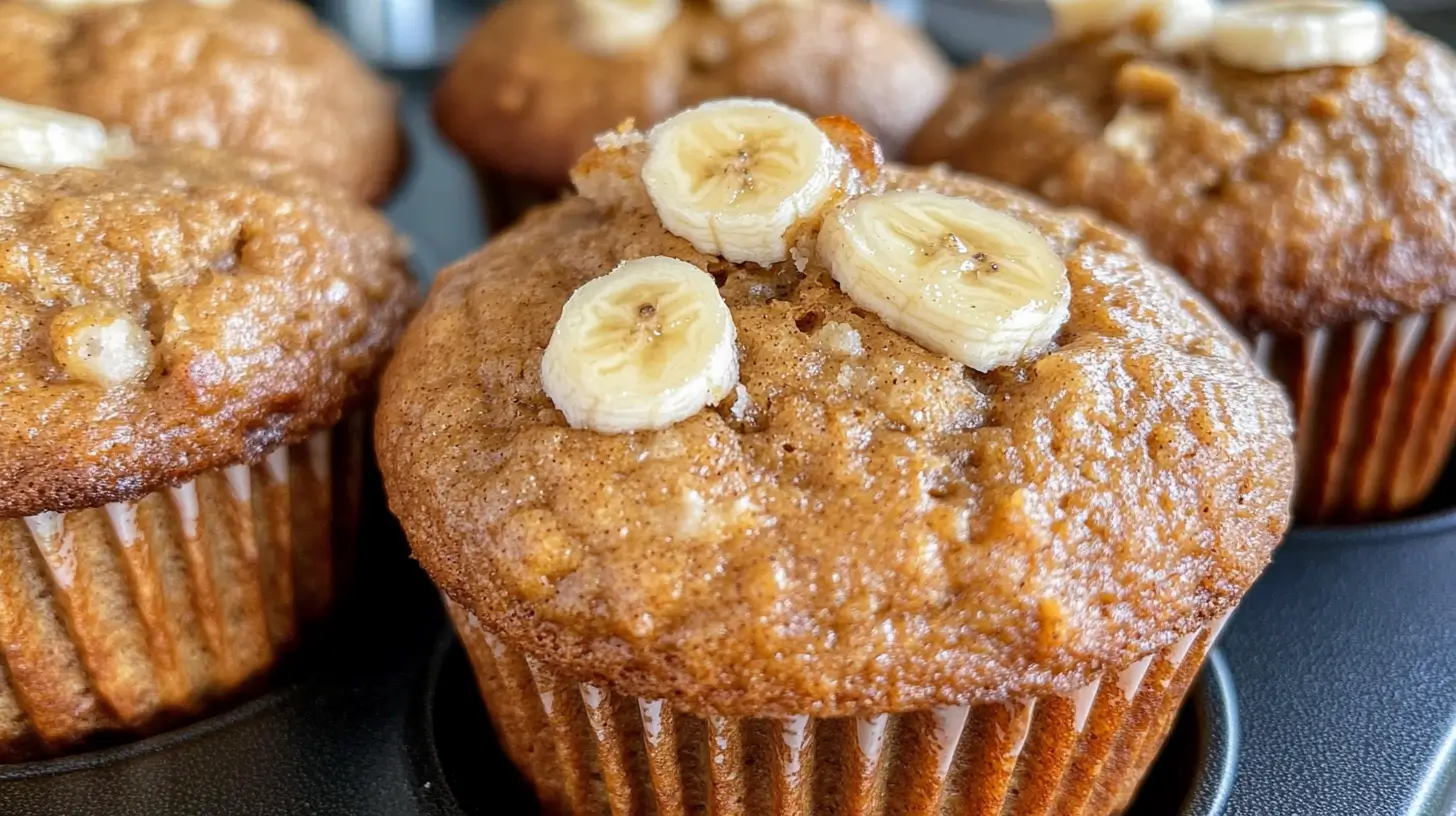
[(589, 750), (1375, 410), (506, 198), (131, 617)]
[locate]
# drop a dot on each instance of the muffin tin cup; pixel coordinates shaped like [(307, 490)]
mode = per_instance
[(589, 750), (1375, 407), (130, 618), (505, 198)]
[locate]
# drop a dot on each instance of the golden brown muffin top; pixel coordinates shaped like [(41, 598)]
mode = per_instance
[(264, 300), (525, 99), (257, 76), (1293, 200), (860, 526)]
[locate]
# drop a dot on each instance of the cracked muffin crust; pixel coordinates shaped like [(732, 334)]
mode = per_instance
[(255, 76), (524, 99), (863, 526), (1314, 208), (1293, 200), (177, 312)]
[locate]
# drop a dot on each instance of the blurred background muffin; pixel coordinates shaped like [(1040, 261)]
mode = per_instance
[(537, 79), (183, 338), (1293, 162), (260, 77), (762, 479)]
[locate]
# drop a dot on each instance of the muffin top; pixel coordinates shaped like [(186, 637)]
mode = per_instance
[(178, 311), (861, 524), (256, 76), (535, 81), (1293, 199)]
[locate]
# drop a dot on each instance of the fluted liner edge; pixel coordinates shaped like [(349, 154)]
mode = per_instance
[(135, 616), (588, 750), (1374, 408)]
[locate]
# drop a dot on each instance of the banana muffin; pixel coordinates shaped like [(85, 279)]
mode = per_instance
[(763, 478), (184, 336), (1293, 161), (254, 76), (538, 79)]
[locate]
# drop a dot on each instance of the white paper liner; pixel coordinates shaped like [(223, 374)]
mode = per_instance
[(589, 750), (1375, 409), (133, 616)]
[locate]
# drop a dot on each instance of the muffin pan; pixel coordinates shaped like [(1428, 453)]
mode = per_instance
[(1330, 694)]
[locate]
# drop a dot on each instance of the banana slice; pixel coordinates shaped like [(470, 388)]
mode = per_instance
[(1293, 35), (643, 347), (1176, 25), (608, 27), (1180, 25), (1074, 18), (960, 279), (45, 140), (733, 9), (734, 177)]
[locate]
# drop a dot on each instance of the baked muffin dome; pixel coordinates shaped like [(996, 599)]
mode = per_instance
[(185, 336), (1293, 200), (255, 76), (263, 302), (1313, 207), (525, 97), (863, 526)]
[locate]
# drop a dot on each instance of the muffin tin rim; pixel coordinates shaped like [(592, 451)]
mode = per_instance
[(1392, 532), (163, 741)]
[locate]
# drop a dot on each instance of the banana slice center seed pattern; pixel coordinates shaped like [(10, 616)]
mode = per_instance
[(653, 342), (646, 325), (736, 176), (643, 347), (961, 279)]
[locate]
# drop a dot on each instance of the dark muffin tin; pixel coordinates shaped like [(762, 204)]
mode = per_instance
[(1333, 692)]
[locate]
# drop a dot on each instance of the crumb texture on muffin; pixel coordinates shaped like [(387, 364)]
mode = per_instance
[(261, 76), (178, 312), (863, 525), (523, 98), (1293, 200)]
